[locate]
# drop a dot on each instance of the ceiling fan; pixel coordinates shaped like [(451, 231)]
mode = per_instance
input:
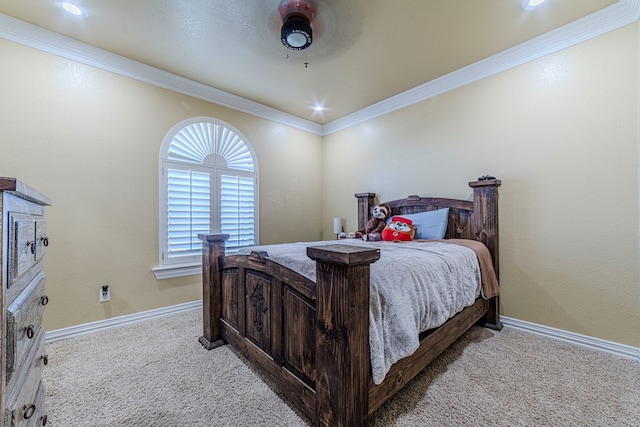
[(296, 32)]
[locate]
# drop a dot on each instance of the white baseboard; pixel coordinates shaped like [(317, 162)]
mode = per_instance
[(622, 350), (100, 325)]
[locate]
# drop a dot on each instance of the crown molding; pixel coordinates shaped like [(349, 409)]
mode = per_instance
[(622, 13), (48, 41), (611, 18)]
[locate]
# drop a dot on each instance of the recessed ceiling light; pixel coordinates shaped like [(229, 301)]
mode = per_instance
[(318, 108), (72, 8), (530, 4)]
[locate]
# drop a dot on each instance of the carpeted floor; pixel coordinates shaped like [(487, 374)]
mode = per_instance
[(155, 373)]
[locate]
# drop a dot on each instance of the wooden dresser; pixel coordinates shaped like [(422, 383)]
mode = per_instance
[(24, 244)]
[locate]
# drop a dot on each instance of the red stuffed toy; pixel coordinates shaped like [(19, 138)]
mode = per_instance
[(398, 230)]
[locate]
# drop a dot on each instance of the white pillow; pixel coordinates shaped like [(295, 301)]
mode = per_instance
[(431, 224)]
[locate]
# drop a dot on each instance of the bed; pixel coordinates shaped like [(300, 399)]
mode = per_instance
[(311, 337)]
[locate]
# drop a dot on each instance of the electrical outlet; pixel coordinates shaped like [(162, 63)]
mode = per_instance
[(105, 293)]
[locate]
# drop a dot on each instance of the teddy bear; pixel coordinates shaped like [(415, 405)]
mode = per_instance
[(375, 225), (398, 230)]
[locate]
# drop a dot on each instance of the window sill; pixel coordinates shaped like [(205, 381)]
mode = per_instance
[(180, 270)]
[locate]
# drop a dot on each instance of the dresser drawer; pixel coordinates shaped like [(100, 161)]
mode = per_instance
[(39, 418), (24, 324), (26, 408), (35, 361), (27, 246)]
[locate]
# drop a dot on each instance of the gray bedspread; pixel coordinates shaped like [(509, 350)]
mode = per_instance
[(415, 286)]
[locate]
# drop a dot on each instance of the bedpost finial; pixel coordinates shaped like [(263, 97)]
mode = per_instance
[(485, 182)]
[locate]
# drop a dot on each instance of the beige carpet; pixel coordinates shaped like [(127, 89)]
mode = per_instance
[(155, 373)]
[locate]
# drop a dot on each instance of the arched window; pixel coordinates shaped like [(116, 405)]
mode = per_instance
[(208, 183)]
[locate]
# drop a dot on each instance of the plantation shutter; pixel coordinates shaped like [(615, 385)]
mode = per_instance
[(209, 184), (237, 210), (188, 211)]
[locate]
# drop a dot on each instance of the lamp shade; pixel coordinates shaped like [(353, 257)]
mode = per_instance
[(337, 225)]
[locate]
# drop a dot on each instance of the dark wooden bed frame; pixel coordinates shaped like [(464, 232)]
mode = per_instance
[(312, 339)]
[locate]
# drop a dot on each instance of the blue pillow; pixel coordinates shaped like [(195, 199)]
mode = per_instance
[(431, 224)]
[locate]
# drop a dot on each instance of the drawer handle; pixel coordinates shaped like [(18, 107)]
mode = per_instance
[(30, 331), (28, 411), (32, 245), (45, 359), (45, 241), (44, 300), (44, 419)]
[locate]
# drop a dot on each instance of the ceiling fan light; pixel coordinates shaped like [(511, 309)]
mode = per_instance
[(296, 33), (296, 40)]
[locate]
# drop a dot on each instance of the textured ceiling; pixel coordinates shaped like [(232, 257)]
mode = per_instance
[(364, 51)]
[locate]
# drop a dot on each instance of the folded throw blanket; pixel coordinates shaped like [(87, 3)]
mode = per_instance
[(490, 286)]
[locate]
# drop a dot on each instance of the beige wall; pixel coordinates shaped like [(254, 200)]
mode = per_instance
[(562, 134), (90, 140)]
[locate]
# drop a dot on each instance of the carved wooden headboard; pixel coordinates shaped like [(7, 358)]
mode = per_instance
[(476, 220)]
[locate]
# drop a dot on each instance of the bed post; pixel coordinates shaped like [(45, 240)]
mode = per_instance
[(485, 216), (342, 333), (365, 203), (212, 254), (485, 227)]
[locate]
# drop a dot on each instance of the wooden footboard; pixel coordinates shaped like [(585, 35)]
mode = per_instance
[(311, 339)]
